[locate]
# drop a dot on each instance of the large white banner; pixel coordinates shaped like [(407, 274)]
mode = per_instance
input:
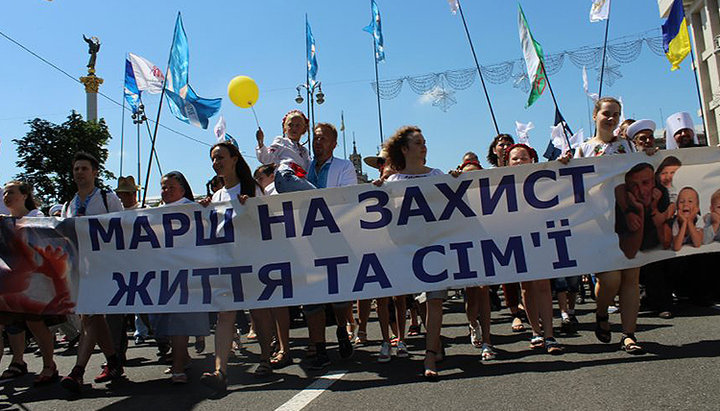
[(487, 227)]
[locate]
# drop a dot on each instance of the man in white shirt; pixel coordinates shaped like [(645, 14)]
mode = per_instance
[(327, 171), (91, 200)]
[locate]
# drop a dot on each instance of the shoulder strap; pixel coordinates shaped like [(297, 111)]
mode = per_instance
[(103, 193)]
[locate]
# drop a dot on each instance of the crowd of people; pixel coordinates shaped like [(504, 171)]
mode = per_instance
[(650, 212)]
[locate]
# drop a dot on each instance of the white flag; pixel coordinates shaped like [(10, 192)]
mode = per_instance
[(453, 6), (147, 75), (600, 10), (561, 143), (522, 131), (592, 96), (220, 129)]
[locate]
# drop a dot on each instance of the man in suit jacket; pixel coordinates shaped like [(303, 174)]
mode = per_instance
[(327, 171)]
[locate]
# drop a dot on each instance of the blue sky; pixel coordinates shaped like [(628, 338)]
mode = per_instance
[(266, 41)]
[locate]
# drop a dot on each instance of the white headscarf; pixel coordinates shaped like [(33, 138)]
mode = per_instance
[(675, 123)]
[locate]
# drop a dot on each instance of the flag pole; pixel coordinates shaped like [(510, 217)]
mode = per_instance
[(602, 67), (342, 123), (377, 89), (122, 132), (138, 150), (157, 119), (552, 94), (477, 65), (157, 160), (697, 88), (310, 111)]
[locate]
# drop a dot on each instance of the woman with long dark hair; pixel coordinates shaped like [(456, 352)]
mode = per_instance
[(238, 183)]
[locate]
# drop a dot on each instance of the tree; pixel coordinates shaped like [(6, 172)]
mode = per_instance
[(45, 154)]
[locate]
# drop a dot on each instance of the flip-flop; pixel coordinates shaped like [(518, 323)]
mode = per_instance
[(14, 370)]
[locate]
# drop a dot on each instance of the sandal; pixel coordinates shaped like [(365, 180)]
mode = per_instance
[(517, 323), (361, 337), (14, 370), (179, 378), (430, 373), (553, 347), (602, 334), (632, 347), (413, 331), (216, 380), (264, 369), (280, 360), (537, 342), (488, 352), (41, 379)]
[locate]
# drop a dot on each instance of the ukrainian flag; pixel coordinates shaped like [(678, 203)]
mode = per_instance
[(676, 40)]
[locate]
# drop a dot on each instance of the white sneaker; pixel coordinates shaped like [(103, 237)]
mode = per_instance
[(385, 352), (402, 351), (475, 336)]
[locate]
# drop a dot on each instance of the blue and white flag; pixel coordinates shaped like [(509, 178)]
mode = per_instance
[(148, 76), (184, 103), (375, 28), (131, 92), (312, 66)]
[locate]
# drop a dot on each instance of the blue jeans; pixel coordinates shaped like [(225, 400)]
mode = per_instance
[(286, 182)]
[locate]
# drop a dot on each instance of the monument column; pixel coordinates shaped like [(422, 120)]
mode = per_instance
[(91, 81), (92, 85)]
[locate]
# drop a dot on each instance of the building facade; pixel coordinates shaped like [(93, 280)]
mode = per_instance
[(703, 16)]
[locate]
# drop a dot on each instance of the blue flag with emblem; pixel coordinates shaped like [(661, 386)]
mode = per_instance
[(184, 103), (375, 28), (312, 66)]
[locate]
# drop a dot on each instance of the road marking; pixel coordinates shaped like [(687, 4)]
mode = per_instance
[(306, 396)]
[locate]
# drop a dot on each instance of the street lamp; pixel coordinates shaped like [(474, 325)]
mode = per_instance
[(314, 94), (138, 118)]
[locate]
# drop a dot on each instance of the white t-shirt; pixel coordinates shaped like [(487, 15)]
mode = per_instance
[(94, 204), (398, 176), (3, 209), (270, 189), (596, 148), (35, 213), (179, 202), (227, 194)]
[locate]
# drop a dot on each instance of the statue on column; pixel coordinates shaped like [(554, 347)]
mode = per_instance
[(93, 48)]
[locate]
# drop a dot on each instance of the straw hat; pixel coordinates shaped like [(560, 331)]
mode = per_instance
[(127, 185), (378, 160)]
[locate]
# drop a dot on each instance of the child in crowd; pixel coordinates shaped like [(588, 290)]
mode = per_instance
[(684, 228), (712, 220), (292, 157)]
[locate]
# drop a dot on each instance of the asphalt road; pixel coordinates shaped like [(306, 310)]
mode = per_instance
[(680, 371)]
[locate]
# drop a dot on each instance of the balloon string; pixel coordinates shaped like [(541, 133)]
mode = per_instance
[(255, 115)]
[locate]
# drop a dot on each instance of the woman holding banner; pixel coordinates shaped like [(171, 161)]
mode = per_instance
[(408, 152), (496, 156), (239, 183), (18, 198), (477, 299), (536, 295), (606, 115), (175, 190)]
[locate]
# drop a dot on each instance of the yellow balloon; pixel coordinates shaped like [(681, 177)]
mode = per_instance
[(243, 91)]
